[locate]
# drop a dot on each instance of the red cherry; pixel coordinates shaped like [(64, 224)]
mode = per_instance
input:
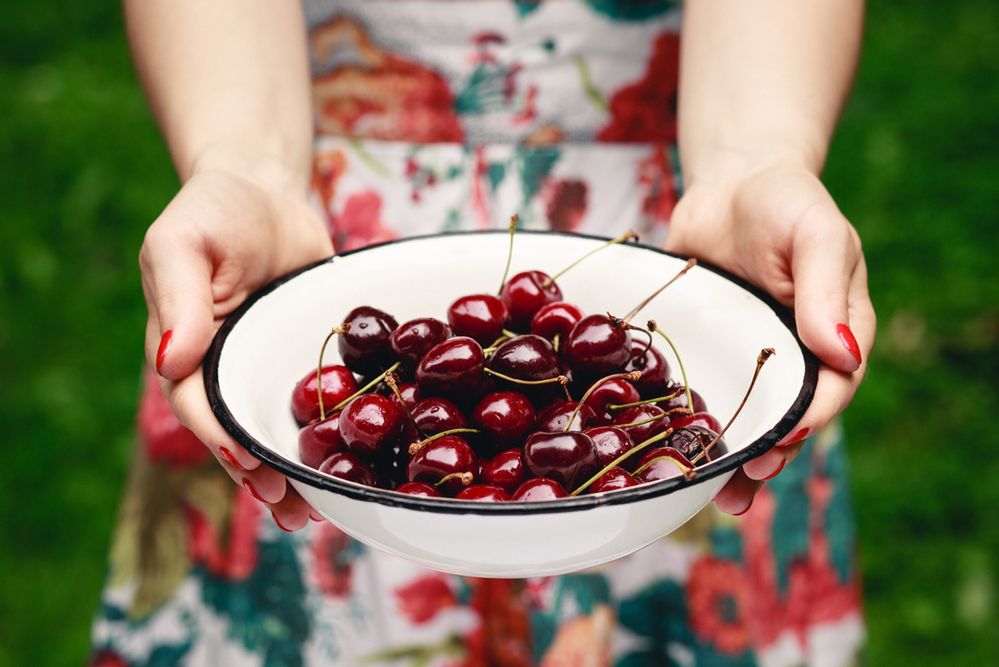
[(390, 462), (418, 489), (539, 489), (527, 357), (338, 384), (448, 457), (506, 469), (613, 391), (557, 415), (524, 295), (661, 463), (646, 359), (694, 439), (318, 441), (568, 458), (611, 442), (347, 466), (452, 368), (506, 417), (680, 400), (478, 316), (703, 419), (434, 415), (612, 480), (642, 413), (369, 423), (598, 346), (410, 396), (556, 319), (364, 342), (412, 340), (484, 493)]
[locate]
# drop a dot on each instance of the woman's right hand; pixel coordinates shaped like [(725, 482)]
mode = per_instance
[(227, 232)]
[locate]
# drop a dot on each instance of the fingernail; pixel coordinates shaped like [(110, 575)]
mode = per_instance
[(315, 517), (278, 522), (794, 439), (774, 473), (162, 351), (747, 507), (228, 456), (849, 341), (248, 485)]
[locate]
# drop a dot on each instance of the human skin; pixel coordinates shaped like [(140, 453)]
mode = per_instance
[(761, 86)]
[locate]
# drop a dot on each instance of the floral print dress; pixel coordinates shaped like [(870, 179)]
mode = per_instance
[(434, 115)]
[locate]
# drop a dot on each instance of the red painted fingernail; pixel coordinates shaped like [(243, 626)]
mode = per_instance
[(849, 341), (248, 485), (315, 517), (278, 522), (796, 438), (164, 348), (774, 473), (228, 456), (747, 507)]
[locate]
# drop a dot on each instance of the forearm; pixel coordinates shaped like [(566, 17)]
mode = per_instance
[(763, 78), (228, 83)]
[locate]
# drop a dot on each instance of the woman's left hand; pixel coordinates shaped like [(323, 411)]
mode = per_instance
[(775, 225)]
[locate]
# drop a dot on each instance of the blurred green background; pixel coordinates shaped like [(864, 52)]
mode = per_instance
[(915, 166)]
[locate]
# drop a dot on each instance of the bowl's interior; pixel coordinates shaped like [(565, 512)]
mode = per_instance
[(718, 326)]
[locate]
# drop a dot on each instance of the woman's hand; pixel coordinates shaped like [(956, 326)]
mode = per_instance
[(228, 231), (775, 225)]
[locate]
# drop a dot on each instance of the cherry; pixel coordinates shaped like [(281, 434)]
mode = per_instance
[(370, 422), (364, 340), (556, 416), (694, 441), (598, 345), (338, 383), (484, 493), (410, 394), (530, 358), (451, 368), (433, 415), (506, 417), (567, 457), (347, 466), (524, 295), (642, 421), (390, 462), (418, 489), (448, 462), (611, 391), (651, 363), (317, 441), (662, 463), (539, 489), (478, 316), (610, 441), (412, 340), (680, 399), (705, 419), (612, 480), (506, 469), (556, 319)]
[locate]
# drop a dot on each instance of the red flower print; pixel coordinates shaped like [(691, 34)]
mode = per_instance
[(565, 204), (164, 439), (333, 571), (718, 599), (236, 559), (106, 658), (504, 636), (655, 180), (359, 223), (423, 598)]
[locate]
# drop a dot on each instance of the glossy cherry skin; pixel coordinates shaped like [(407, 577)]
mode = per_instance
[(506, 469), (347, 466), (556, 319), (412, 340), (338, 384), (651, 363), (390, 462), (611, 442), (433, 415), (364, 344), (704, 419), (526, 357), (440, 458), (612, 480), (692, 440), (598, 347), (319, 440), (538, 489), (452, 368), (478, 316), (641, 413), (568, 458), (369, 423), (410, 396), (680, 400), (421, 489), (524, 294), (506, 417), (663, 463), (615, 391), (556, 416), (484, 493)]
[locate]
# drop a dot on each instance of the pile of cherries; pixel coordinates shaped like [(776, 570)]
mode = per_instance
[(518, 396)]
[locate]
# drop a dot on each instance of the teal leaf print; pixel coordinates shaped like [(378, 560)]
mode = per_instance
[(650, 658), (707, 656), (168, 655), (526, 7), (838, 518), (495, 173), (790, 526), (658, 613), (543, 626), (536, 164), (726, 542), (631, 10), (587, 590)]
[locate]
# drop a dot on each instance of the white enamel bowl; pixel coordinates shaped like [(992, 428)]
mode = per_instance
[(718, 324)]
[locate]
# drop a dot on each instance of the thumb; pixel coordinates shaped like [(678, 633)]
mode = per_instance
[(825, 252)]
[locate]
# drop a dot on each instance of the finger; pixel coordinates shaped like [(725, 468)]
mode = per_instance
[(736, 497), (292, 513), (770, 463)]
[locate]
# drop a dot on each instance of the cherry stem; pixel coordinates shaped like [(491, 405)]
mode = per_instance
[(561, 379), (555, 343), (627, 236), (687, 471), (319, 369), (761, 359), (514, 222), (392, 383), (363, 390), (633, 375), (657, 417), (621, 459), (683, 371), (690, 264), (465, 478), (417, 446), (648, 401)]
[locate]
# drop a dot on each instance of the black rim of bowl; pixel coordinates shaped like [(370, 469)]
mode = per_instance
[(319, 480)]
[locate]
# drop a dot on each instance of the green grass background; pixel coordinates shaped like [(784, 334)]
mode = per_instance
[(915, 166)]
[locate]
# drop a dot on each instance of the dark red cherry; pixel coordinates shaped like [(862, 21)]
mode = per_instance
[(506, 417), (347, 466), (556, 319), (598, 346), (450, 456), (478, 316), (611, 442), (484, 493), (506, 469), (338, 384), (452, 368), (410, 396), (704, 419), (692, 440), (412, 340), (557, 415), (370, 422), (646, 359), (538, 489), (524, 295), (642, 413), (680, 400), (364, 343), (319, 440), (661, 463), (612, 480), (390, 462), (418, 489), (568, 458), (433, 415), (614, 391), (526, 357)]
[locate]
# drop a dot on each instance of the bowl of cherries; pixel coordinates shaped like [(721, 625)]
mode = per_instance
[(508, 405)]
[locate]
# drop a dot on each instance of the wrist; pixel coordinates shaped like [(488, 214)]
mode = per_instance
[(721, 163), (268, 171)]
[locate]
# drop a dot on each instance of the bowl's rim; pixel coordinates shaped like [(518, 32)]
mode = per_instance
[(314, 478)]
